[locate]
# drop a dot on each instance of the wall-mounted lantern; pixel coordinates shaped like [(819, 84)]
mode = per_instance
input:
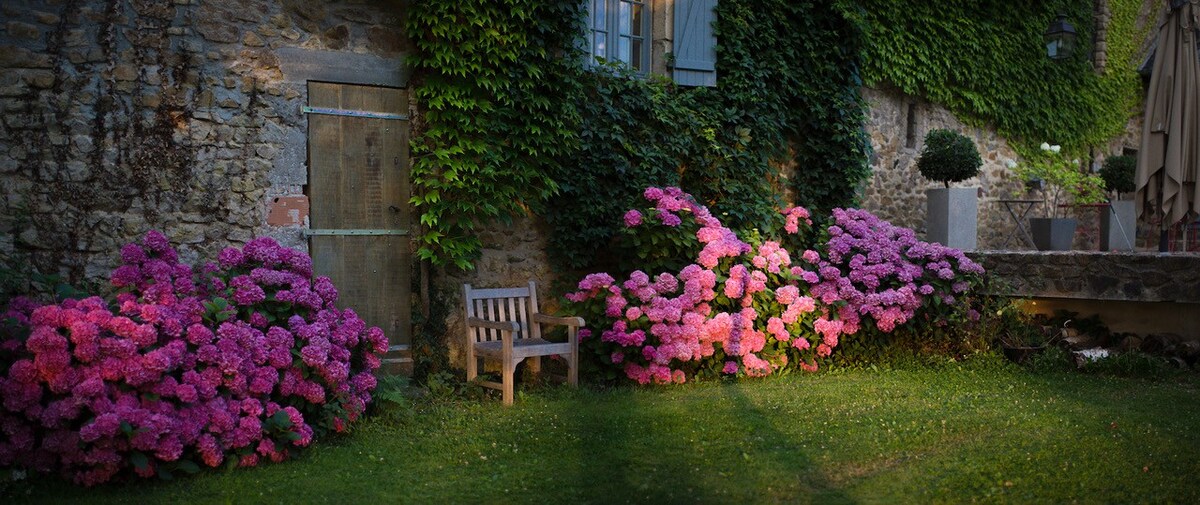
[(1060, 38)]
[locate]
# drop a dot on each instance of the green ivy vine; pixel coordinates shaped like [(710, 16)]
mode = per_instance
[(984, 60), (787, 94), (514, 122), (496, 115)]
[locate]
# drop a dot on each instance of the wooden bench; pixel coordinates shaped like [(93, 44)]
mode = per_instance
[(505, 325)]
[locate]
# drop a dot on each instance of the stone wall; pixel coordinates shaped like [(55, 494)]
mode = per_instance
[(897, 124), (513, 254), (1142, 277), (1141, 293), (121, 116)]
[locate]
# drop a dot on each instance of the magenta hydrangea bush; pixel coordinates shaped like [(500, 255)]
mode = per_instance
[(244, 360), (754, 309)]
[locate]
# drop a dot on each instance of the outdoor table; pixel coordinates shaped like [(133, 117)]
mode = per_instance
[(1018, 210)]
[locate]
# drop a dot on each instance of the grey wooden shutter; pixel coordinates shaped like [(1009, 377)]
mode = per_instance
[(695, 43)]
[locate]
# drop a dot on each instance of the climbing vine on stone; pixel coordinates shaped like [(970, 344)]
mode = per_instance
[(985, 62), (496, 114)]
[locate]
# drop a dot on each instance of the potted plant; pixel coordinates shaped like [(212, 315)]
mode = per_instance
[(952, 213), (1020, 334), (1117, 226), (1063, 182)]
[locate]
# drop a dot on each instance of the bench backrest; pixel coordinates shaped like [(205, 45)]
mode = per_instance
[(503, 305)]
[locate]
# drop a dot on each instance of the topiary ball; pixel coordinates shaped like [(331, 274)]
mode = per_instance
[(948, 157), (1118, 172)]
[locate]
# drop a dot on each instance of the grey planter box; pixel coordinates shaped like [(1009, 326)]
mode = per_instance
[(1118, 226), (952, 217), (1052, 234)]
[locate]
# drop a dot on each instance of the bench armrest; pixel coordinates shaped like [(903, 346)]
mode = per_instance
[(565, 321)]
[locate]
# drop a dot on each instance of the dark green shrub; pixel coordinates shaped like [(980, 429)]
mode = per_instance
[(948, 157), (1117, 173)]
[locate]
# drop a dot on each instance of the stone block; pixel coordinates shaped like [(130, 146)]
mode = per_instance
[(217, 30), (47, 18), (151, 100), (251, 39), (336, 37), (952, 217), (41, 79), (19, 57), (83, 143), (125, 72), (17, 29), (300, 65)]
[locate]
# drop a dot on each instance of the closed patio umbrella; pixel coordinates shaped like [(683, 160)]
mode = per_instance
[(1169, 160)]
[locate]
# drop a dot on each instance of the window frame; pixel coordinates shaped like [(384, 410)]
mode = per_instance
[(610, 28)]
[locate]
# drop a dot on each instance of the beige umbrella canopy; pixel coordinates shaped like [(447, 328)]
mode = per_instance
[(1169, 160)]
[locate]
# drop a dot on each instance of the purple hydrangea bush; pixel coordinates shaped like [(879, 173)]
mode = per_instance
[(753, 309), (244, 360)]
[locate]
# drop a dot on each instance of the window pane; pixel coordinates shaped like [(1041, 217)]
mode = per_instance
[(599, 17), (637, 19), (636, 62), (623, 20), (599, 49), (623, 52)]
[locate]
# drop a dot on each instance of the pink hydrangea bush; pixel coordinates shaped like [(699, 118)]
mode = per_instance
[(245, 360), (755, 309)]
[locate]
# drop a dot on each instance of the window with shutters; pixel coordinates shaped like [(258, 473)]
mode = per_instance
[(674, 38)]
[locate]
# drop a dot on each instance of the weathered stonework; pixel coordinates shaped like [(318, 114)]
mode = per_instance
[(121, 116), (1142, 277), (513, 254), (896, 191)]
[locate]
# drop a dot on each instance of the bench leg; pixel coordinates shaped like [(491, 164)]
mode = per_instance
[(573, 369), (472, 366), (534, 365), (507, 371)]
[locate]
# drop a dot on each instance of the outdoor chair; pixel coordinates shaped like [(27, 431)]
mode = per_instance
[(505, 325)]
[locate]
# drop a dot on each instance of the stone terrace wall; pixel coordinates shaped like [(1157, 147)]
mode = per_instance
[(121, 116), (1139, 277)]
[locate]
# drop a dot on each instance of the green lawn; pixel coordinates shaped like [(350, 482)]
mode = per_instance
[(982, 432)]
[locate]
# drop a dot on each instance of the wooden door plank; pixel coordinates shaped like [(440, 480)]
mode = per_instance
[(358, 176)]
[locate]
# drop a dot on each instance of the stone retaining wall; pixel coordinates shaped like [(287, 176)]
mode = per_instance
[(1138, 277)]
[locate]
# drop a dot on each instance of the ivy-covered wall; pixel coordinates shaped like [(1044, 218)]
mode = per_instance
[(786, 97), (984, 61), (898, 119), (515, 120)]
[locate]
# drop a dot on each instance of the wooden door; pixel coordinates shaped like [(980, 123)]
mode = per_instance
[(359, 189)]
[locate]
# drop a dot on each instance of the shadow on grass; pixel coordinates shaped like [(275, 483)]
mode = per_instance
[(803, 476), (659, 447)]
